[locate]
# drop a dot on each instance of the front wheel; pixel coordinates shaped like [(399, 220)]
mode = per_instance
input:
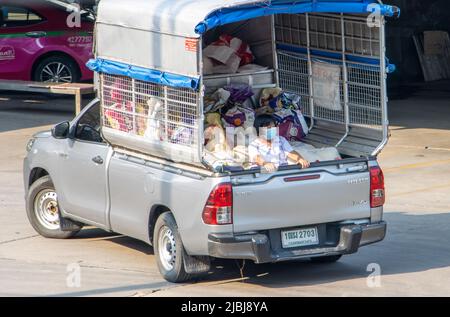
[(43, 210), (169, 249)]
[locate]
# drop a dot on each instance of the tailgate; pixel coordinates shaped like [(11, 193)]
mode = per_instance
[(286, 200)]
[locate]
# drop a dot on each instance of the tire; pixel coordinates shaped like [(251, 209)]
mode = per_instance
[(57, 68), (42, 210), (326, 259), (170, 262)]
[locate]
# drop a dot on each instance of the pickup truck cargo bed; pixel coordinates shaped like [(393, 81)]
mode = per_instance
[(291, 198)]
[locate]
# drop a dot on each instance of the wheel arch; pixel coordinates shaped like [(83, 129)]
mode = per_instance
[(35, 174), (155, 212), (54, 53)]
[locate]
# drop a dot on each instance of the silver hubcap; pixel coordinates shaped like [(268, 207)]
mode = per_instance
[(56, 73), (167, 248), (46, 209)]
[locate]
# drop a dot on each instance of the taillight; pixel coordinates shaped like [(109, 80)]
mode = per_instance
[(219, 207), (377, 195)]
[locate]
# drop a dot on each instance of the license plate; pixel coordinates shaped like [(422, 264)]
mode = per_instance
[(299, 238)]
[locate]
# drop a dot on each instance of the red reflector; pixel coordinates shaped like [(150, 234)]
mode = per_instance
[(377, 190), (219, 207), (301, 178)]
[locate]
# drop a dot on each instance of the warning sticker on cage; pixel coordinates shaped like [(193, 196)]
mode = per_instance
[(326, 89), (191, 45)]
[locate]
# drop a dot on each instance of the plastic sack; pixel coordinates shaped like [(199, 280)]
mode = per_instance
[(270, 97), (214, 134), (226, 55), (220, 160), (291, 130), (241, 49), (239, 93), (302, 121), (216, 101), (312, 154), (290, 101), (119, 117), (326, 88), (291, 124), (155, 115), (249, 116), (182, 135), (234, 117)]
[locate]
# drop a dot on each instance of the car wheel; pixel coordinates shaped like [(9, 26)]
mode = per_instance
[(169, 249), (43, 210), (57, 69), (326, 259)]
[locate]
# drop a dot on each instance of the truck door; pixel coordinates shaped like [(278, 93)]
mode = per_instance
[(82, 178)]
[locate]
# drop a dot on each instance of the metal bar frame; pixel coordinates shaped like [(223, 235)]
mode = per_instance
[(310, 72), (274, 50), (383, 84), (201, 96), (345, 83), (362, 85)]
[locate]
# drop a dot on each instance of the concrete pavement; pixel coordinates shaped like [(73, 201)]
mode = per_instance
[(414, 259)]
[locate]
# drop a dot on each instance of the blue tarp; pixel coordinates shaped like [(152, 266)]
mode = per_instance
[(259, 9), (144, 74)]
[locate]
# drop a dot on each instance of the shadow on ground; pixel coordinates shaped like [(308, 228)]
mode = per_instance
[(415, 243)]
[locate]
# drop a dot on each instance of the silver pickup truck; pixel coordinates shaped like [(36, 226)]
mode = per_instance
[(74, 178)]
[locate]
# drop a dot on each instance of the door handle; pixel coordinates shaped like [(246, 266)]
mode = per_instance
[(36, 35), (97, 160)]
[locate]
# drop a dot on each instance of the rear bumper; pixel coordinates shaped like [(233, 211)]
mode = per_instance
[(257, 246)]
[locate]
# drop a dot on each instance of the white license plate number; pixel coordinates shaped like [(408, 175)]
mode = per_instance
[(299, 238)]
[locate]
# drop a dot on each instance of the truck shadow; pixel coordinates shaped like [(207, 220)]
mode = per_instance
[(414, 243), (98, 234)]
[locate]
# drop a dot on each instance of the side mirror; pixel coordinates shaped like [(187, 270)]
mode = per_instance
[(61, 130)]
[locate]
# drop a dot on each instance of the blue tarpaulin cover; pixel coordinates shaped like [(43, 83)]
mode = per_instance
[(144, 74), (264, 8)]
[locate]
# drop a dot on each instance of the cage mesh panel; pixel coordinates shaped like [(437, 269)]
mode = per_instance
[(153, 112), (294, 77), (363, 80), (326, 33)]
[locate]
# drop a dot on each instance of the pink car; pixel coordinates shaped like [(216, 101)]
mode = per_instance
[(37, 43)]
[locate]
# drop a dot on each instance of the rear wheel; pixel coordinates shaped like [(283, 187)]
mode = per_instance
[(57, 69), (43, 210), (169, 249), (326, 259)]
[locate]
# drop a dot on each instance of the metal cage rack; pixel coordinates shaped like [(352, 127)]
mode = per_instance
[(168, 122), (360, 126), (151, 118)]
